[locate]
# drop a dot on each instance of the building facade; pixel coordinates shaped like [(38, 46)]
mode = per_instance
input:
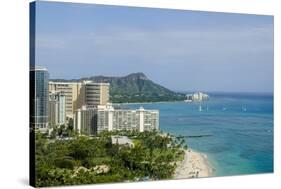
[(56, 108), (139, 119), (85, 121), (96, 93), (95, 120), (40, 98), (74, 96), (78, 94), (197, 97)]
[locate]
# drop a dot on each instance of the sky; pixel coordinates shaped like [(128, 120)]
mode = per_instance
[(179, 49)]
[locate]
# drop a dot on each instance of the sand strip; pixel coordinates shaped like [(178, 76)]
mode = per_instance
[(194, 165)]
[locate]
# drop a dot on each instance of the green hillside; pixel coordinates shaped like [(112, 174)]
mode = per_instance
[(135, 87)]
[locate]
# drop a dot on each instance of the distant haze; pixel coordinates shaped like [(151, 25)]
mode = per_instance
[(181, 50)]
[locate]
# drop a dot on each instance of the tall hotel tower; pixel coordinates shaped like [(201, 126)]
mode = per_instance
[(96, 93), (40, 98)]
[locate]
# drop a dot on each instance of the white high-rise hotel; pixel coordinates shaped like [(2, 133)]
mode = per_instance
[(92, 120)]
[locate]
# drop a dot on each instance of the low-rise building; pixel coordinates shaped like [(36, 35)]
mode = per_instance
[(122, 140)]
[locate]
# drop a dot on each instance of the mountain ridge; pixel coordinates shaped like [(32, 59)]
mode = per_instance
[(134, 87)]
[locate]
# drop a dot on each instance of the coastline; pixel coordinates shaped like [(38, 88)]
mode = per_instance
[(159, 102), (194, 165)]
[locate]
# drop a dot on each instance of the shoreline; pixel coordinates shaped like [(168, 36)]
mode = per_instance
[(194, 165), (160, 102)]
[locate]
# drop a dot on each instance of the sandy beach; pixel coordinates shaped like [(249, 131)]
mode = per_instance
[(194, 165)]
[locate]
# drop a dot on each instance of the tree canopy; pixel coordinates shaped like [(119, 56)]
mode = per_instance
[(88, 160)]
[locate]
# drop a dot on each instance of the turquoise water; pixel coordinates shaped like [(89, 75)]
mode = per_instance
[(240, 128)]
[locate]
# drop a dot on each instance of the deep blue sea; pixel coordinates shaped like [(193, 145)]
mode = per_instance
[(240, 128)]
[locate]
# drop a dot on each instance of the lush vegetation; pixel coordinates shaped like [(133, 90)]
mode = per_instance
[(63, 131), (86, 160)]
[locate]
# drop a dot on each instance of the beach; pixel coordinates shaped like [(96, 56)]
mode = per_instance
[(194, 165)]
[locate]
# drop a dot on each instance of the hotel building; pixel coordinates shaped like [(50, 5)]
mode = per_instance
[(87, 103), (78, 94), (85, 120), (39, 98), (74, 96), (56, 108), (96, 93), (94, 120)]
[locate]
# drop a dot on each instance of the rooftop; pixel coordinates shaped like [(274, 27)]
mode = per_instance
[(38, 68), (122, 140)]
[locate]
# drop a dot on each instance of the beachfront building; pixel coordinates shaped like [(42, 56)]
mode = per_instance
[(104, 118), (197, 97), (94, 120), (150, 119), (39, 78), (85, 120), (110, 119), (56, 108)]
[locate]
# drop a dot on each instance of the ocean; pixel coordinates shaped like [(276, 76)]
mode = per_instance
[(238, 129)]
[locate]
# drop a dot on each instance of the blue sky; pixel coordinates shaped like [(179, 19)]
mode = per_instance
[(181, 50)]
